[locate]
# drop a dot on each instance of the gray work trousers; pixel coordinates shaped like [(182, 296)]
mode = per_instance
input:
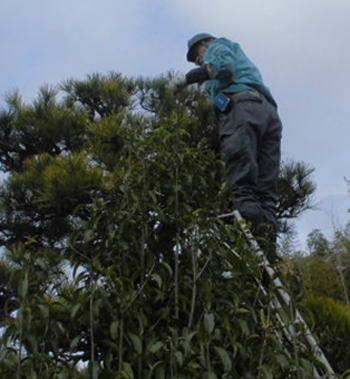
[(250, 139)]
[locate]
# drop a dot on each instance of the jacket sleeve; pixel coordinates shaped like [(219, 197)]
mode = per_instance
[(206, 72), (198, 75), (221, 58)]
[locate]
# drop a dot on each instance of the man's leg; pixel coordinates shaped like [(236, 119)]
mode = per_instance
[(245, 143), (269, 157)]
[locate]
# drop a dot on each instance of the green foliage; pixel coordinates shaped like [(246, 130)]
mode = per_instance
[(321, 277), (99, 95), (325, 273), (44, 127), (326, 269), (331, 322), (318, 244), (296, 190), (115, 263)]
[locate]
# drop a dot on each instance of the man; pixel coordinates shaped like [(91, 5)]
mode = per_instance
[(250, 128)]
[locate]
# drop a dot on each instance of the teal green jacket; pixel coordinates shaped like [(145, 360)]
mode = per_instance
[(227, 57)]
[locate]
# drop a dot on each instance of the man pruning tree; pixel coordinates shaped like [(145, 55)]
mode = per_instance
[(250, 128)]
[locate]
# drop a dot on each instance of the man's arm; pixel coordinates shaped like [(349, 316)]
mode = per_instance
[(199, 75)]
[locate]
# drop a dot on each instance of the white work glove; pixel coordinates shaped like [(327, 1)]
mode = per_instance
[(177, 84)]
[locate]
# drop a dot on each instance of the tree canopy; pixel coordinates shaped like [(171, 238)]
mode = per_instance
[(115, 264)]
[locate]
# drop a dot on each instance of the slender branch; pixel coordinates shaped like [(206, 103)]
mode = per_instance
[(141, 289), (177, 246), (92, 337), (194, 288), (205, 266)]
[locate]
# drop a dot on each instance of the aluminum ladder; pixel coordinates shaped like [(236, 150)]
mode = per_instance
[(282, 299)]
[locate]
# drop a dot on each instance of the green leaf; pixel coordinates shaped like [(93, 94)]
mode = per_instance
[(187, 342), (75, 310), (179, 358), (168, 268), (244, 326), (156, 347), (242, 311), (128, 369), (33, 341), (23, 288), (267, 371), (158, 279), (113, 329), (74, 343), (44, 310), (225, 358), (88, 235), (137, 342), (159, 370), (282, 360), (210, 375), (209, 323)]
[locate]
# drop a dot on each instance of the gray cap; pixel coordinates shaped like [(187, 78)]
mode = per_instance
[(193, 42)]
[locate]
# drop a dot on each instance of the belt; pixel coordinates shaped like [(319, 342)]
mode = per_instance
[(237, 95)]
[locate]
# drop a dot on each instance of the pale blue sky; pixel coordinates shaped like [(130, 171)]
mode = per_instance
[(301, 46)]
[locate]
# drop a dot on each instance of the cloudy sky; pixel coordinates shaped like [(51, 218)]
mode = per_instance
[(302, 48)]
